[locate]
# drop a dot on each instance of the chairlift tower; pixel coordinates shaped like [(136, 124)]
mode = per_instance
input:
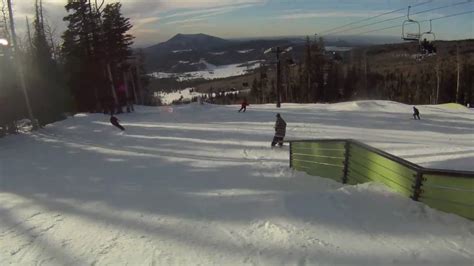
[(277, 50)]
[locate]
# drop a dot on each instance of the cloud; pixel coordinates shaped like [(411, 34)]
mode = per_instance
[(185, 21), (192, 13), (146, 8), (334, 14), (198, 25), (54, 2), (218, 10), (53, 11), (200, 4), (146, 31), (139, 23), (199, 15), (141, 12)]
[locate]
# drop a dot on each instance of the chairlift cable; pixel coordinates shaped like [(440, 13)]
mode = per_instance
[(368, 25), (395, 18), (442, 7), (422, 21), (452, 15), (356, 22), (373, 17)]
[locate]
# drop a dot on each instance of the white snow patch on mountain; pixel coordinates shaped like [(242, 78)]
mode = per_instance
[(217, 53), (211, 71), (185, 95), (337, 49), (245, 51), (182, 51), (162, 75)]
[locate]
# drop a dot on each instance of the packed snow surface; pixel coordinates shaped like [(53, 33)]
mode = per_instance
[(199, 185)]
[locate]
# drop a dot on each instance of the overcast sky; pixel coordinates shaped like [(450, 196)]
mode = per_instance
[(157, 20)]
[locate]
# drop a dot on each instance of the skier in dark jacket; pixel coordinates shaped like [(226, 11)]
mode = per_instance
[(416, 113), (114, 121), (244, 105), (280, 131)]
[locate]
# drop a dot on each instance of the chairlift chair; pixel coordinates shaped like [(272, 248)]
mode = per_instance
[(411, 36), (426, 41)]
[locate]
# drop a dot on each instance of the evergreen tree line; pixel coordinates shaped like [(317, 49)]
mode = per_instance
[(325, 77), (91, 71)]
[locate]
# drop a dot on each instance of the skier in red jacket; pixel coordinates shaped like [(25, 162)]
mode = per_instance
[(244, 105)]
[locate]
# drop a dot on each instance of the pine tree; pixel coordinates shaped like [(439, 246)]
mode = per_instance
[(117, 44), (307, 72), (78, 52), (45, 80), (350, 83), (319, 72), (11, 99), (116, 39), (96, 47), (254, 90), (142, 81)]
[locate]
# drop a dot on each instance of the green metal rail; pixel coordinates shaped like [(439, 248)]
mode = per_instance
[(353, 162)]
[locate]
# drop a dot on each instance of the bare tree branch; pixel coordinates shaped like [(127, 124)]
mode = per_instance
[(5, 21), (98, 7), (51, 35)]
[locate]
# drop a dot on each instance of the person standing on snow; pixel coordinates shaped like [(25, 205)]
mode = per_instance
[(114, 121), (280, 131), (416, 113), (244, 105)]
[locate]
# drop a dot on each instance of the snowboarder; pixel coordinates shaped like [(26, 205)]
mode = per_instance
[(114, 121), (244, 105), (416, 113), (280, 131)]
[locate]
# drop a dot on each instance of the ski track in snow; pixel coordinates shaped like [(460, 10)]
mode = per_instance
[(200, 185)]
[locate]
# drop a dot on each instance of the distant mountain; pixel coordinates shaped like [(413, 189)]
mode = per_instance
[(186, 52), (188, 42), (183, 52)]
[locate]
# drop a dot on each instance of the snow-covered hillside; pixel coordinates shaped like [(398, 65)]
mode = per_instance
[(199, 184), (211, 71), (186, 95)]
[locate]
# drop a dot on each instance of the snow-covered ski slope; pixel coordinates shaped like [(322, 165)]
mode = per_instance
[(199, 185)]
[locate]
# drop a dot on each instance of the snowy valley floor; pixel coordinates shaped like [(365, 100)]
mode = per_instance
[(199, 185)]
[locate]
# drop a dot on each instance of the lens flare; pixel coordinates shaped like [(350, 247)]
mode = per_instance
[(3, 42)]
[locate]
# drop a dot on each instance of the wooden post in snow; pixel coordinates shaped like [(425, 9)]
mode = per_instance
[(112, 87), (438, 80), (134, 87), (458, 78)]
